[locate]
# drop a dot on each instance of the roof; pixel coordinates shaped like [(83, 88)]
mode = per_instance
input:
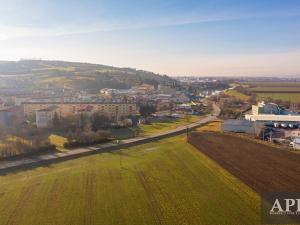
[(13, 109), (272, 117), (49, 109), (238, 122), (86, 108)]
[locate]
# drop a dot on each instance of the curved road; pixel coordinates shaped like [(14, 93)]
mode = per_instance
[(49, 158)]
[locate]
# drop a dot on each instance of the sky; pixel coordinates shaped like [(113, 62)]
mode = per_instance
[(173, 37)]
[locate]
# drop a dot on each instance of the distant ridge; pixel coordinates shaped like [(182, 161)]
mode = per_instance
[(86, 76)]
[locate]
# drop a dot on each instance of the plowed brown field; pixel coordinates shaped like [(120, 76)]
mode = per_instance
[(262, 167)]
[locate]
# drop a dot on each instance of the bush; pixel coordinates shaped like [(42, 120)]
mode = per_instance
[(24, 148), (87, 138)]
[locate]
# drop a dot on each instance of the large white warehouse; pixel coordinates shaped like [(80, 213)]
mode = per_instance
[(273, 118)]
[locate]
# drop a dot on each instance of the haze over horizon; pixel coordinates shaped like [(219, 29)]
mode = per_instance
[(203, 38)]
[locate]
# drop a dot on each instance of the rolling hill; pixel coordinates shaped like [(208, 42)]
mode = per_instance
[(75, 75)]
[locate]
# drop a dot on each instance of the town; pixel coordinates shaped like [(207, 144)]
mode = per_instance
[(48, 119), (174, 112)]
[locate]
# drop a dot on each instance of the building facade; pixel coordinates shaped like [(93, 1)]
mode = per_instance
[(1, 105), (111, 110), (271, 112), (44, 118), (238, 126), (5, 116)]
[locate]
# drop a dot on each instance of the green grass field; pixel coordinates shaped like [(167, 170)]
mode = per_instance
[(273, 84), (237, 94), (153, 128), (276, 89), (157, 127), (293, 97), (165, 182), (286, 91), (123, 133)]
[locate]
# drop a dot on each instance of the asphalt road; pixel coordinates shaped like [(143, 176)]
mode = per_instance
[(49, 158)]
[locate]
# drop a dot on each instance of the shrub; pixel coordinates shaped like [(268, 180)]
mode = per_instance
[(87, 138)]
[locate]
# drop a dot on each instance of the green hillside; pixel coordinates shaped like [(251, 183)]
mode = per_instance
[(75, 75), (165, 182)]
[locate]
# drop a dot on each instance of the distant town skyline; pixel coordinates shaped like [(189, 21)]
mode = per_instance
[(173, 37)]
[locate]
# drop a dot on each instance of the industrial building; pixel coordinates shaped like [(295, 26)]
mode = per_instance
[(271, 112), (238, 126), (295, 144)]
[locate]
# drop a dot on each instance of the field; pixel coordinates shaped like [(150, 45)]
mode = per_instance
[(165, 182), (157, 127), (153, 128), (213, 126), (237, 94), (276, 89), (262, 167), (273, 84), (293, 97), (286, 91)]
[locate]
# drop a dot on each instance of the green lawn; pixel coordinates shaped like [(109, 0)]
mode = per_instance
[(123, 133), (165, 182)]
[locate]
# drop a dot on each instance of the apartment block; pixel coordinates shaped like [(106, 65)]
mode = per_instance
[(64, 109)]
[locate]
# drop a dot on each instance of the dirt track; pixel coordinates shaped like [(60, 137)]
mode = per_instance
[(263, 168)]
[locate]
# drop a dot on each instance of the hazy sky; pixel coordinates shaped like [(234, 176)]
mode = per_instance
[(174, 37)]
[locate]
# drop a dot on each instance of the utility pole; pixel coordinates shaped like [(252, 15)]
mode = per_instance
[(121, 165), (186, 126), (187, 132)]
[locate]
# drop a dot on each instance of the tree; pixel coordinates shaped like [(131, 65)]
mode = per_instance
[(83, 121), (99, 121), (252, 99), (56, 120), (146, 110)]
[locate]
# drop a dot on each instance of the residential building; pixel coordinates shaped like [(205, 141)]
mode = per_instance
[(44, 117), (9, 114), (87, 110), (1, 105), (143, 89), (167, 89), (113, 111), (5, 116), (180, 98), (163, 105)]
